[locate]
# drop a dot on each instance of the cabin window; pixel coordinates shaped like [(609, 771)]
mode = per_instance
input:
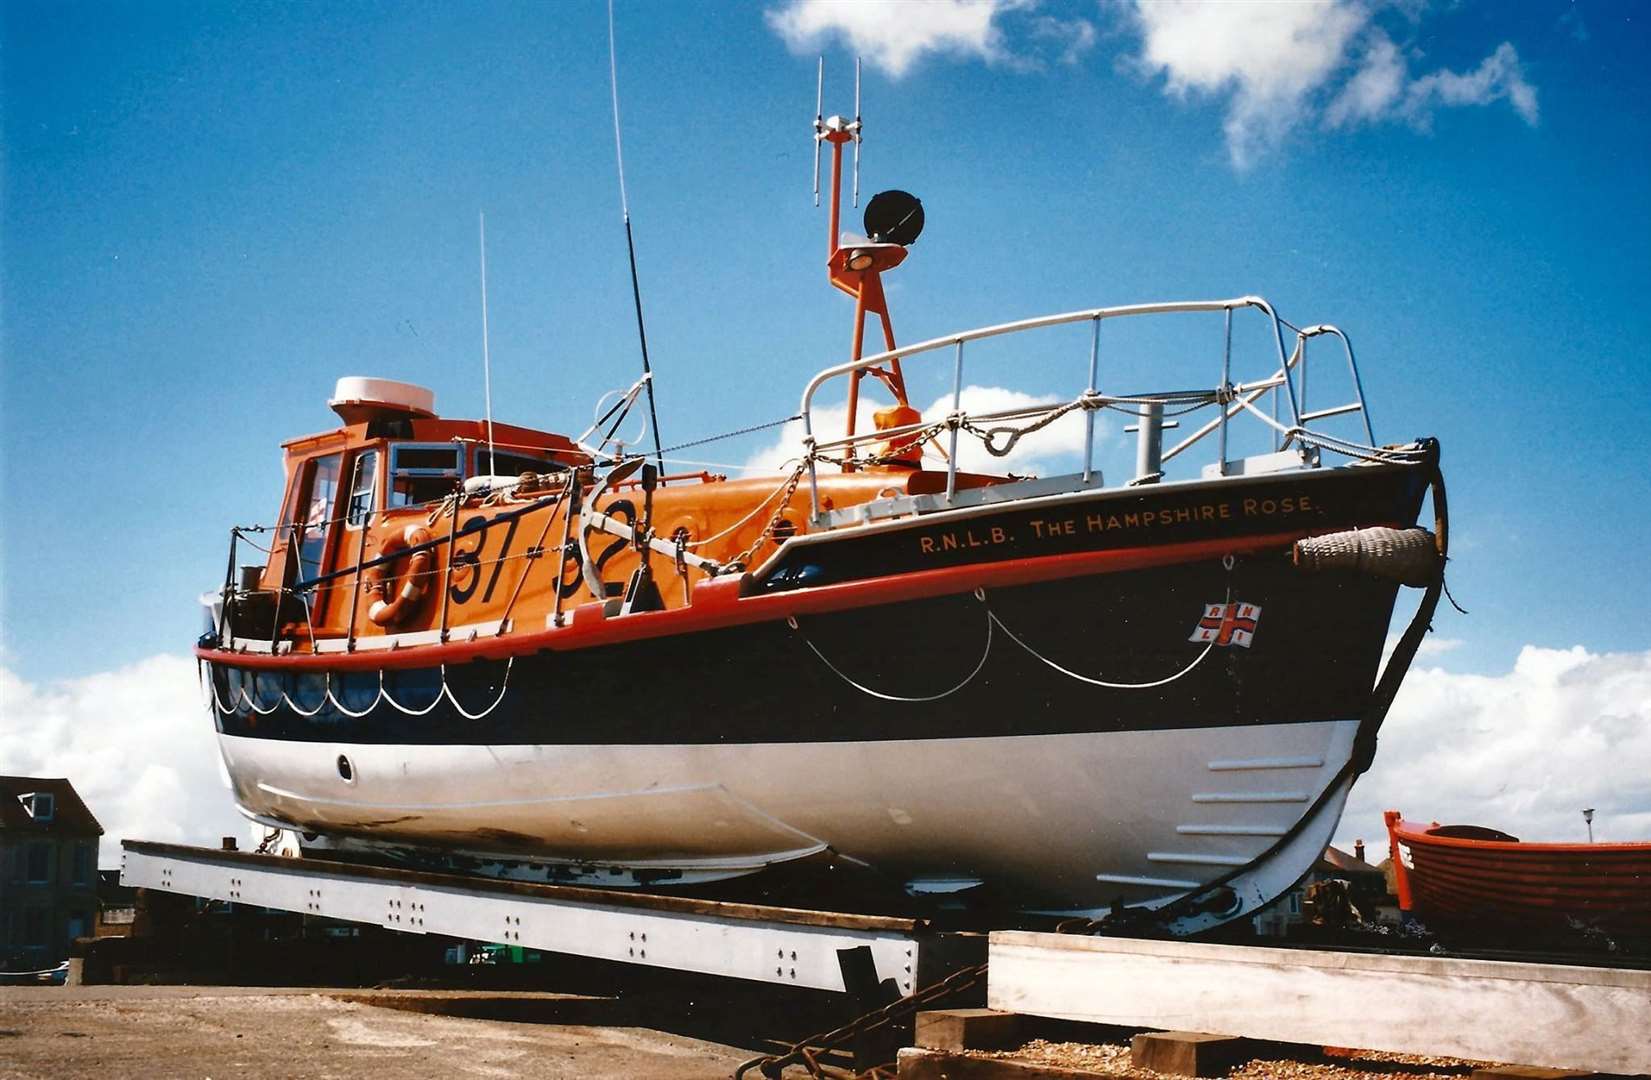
[(362, 488), (316, 507), (421, 474), (505, 463)]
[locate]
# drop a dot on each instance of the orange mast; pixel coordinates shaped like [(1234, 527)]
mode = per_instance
[(855, 264)]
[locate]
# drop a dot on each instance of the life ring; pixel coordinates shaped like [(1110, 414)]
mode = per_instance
[(414, 583)]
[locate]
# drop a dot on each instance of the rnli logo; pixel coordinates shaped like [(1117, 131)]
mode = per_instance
[(1227, 624)]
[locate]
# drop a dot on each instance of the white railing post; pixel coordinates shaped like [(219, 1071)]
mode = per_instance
[(1226, 379), (1089, 413), (813, 471), (956, 422)]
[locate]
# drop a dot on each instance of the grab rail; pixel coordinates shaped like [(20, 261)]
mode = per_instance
[(1231, 398)]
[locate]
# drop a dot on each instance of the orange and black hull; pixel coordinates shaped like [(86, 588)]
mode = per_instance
[(1024, 711)]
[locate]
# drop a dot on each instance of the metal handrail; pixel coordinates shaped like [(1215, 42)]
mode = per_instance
[(1233, 399)]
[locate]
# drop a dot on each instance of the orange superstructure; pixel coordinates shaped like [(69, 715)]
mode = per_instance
[(396, 524)]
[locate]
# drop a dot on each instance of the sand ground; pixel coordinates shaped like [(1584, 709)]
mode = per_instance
[(122, 1032)]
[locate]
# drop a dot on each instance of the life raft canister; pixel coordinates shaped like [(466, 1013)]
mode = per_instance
[(415, 581)]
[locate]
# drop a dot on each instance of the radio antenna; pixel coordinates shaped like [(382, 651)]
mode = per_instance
[(819, 125), (487, 360), (856, 132), (630, 243)]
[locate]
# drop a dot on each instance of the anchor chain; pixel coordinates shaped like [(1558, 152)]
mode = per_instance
[(807, 1052), (742, 561)]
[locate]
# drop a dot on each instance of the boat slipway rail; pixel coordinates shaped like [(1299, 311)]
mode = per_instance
[(817, 950), (1290, 376)]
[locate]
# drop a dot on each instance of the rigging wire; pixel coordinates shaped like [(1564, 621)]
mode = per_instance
[(630, 243), (487, 361)]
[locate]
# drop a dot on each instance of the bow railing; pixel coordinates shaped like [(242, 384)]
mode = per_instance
[(1231, 399)]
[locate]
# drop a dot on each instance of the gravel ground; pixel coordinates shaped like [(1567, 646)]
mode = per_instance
[(1113, 1059), (128, 1032)]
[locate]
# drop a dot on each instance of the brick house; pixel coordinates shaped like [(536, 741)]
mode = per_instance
[(1369, 892), (48, 871)]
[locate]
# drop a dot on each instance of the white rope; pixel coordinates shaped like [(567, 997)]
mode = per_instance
[(1226, 564), (325, 694), (383, 695), (986, 652), (1334, 443), (339, 705), (736, 526), (1199, 659), (503, 686)]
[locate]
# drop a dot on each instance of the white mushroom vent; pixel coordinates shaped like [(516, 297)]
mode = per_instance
[(356, 399)]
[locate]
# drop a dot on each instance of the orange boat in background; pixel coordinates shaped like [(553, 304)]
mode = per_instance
[(1471, 877)]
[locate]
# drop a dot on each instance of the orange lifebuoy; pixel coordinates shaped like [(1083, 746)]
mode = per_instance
[(414, 583)]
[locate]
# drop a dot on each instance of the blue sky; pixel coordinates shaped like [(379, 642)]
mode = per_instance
[(209, 212)]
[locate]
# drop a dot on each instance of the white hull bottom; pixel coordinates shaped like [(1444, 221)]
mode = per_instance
[(1068, 822)]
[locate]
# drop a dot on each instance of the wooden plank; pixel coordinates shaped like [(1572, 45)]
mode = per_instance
[(967, 1029), (1190, 1053), (1552, 1015)]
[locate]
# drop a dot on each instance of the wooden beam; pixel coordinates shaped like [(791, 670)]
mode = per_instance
[(1556, 1016)]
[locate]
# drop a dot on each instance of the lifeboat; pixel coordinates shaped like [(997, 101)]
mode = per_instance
[(499, 650), (1471, 878)]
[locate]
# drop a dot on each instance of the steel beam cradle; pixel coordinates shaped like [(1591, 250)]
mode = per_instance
[(766, 944)]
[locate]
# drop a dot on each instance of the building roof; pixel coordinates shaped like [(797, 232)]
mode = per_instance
[(69, 814), (1341, 862)]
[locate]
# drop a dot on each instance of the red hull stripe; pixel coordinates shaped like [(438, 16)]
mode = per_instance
[(718, 604)]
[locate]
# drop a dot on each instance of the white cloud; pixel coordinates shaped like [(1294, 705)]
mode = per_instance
[(1432, 644), (1274, 63), (1275, 66), (1523, 752), (1267, 58), (137, 743), (1073, 37), (1382, 88), (1056, 446), (892, 35), (1499, 76), (1375, 87)]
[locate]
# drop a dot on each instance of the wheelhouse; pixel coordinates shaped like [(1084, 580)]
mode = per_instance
[(390, 458)]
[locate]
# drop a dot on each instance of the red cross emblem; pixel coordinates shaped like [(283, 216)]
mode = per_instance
[(1227, 624)]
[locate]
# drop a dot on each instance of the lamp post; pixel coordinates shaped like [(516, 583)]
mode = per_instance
[(1588, 818)]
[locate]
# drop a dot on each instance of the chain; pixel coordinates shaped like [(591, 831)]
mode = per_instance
[(743, 559), (806, 1052), (732, 434), (986, 435)]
